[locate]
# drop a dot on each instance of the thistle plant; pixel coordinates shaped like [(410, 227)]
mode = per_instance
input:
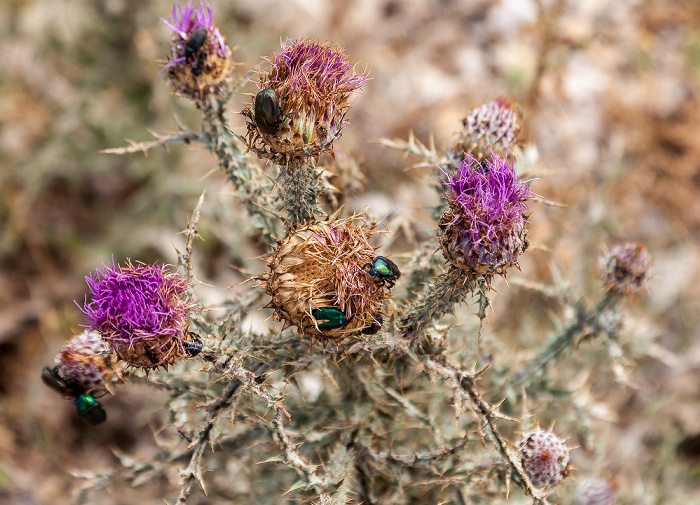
[(368, 383)]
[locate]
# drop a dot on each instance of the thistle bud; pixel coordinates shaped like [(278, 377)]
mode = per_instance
[(625, 269), (141, 312), (483, 230), (319, 282), (200, 61), (494, 126), (545, 458), (300, 108), (84, 360), (595, 491)]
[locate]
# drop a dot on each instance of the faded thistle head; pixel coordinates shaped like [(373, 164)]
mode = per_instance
[(317, 281), (625, 269), (544, 457), (494, 126), (483, 231), (140, 311), (85, 360), (199, 63), (595, 491), (302, 101)]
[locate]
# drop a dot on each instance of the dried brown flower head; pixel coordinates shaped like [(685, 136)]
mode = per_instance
[(317, 281)]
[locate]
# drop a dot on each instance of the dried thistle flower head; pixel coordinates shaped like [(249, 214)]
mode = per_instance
[(317, 281), (85, 360), (595, 491), (300, 108), (545, 458), (200, 61), (483, 230), (140, 311), (494, 126), (625, 268)]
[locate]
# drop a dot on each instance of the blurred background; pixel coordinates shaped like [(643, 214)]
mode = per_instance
[(609, 93)]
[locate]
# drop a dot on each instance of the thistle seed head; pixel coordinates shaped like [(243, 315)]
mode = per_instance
[(625, 269), (317, 274), (307, 94), (140, 311), (200, 62), (483, 231), (595, 491)]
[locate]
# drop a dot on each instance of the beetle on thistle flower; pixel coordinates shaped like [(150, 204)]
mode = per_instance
[(300, 108), (200, 61)]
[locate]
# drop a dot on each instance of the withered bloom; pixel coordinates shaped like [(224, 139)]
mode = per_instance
[(625, 269), (300, 108), (200, 61), (317, 283), (85, 360)]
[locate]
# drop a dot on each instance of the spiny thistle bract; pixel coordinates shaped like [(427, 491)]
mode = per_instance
[(625, 269), (483, 231), (200, 61), (304, 98), (595, 491), (140, 311), (319, 267), (545, 458), (85, 360), (494, 126)]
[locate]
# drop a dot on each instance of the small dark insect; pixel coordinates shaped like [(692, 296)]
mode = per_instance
[(195, 42), (268, 111), (194, 347), (373, 329), (385, 270), (332, 317), (259, 379), (89, 409)]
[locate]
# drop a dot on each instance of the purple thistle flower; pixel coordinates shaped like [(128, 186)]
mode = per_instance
[(483, 230), (140, 311)]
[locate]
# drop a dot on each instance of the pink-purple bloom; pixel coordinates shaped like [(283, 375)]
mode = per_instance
[(140, 310), (185, 20), (483, 230)]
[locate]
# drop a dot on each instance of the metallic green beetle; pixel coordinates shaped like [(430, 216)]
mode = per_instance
[(385, 270), (332, 317), (268, 111), (89, 409)]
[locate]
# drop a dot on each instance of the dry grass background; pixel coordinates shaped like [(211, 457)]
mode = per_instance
[(609, 92)]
